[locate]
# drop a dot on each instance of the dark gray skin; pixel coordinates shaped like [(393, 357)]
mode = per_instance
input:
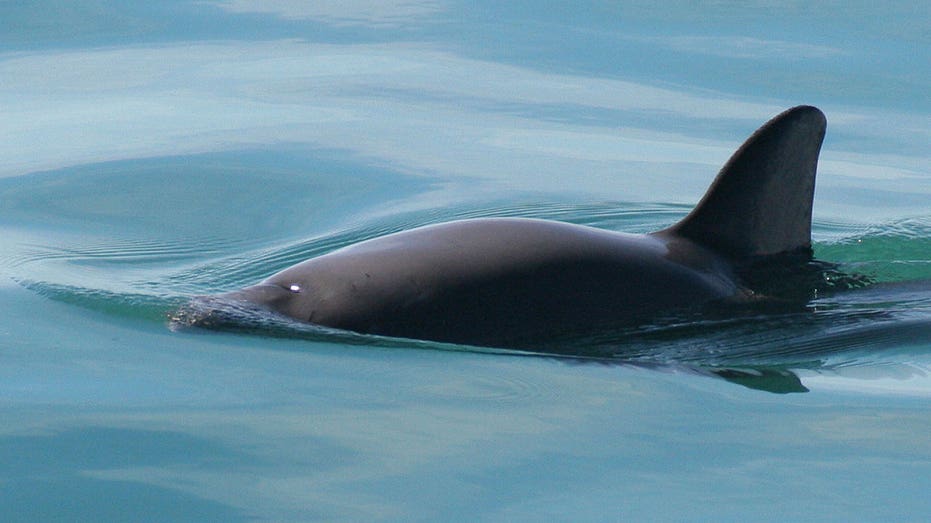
[(495, 281), (511, 282)]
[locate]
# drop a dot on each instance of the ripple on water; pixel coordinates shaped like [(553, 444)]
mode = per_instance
[(515, 388), (147, 278), (896, 251)]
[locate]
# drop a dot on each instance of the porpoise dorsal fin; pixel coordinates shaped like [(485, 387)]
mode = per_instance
[(760, 203)]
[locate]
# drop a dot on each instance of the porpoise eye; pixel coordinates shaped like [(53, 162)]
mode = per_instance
[(294, 287)]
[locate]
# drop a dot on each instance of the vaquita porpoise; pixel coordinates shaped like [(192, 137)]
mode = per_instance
[(512, 282)]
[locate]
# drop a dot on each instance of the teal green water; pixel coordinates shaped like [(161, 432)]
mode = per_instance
[(150, 153)]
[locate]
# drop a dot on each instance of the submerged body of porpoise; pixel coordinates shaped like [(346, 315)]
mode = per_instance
[(511, 282)]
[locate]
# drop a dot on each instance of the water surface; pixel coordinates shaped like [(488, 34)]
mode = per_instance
[(151, 152)]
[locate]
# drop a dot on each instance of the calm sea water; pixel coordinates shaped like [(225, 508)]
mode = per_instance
[(154, 151)]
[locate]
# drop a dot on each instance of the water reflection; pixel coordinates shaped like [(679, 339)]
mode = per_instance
[(418, 109), (63, 475), (498, 108)]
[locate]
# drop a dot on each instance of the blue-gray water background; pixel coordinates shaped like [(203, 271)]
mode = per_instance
[(151, 151)]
